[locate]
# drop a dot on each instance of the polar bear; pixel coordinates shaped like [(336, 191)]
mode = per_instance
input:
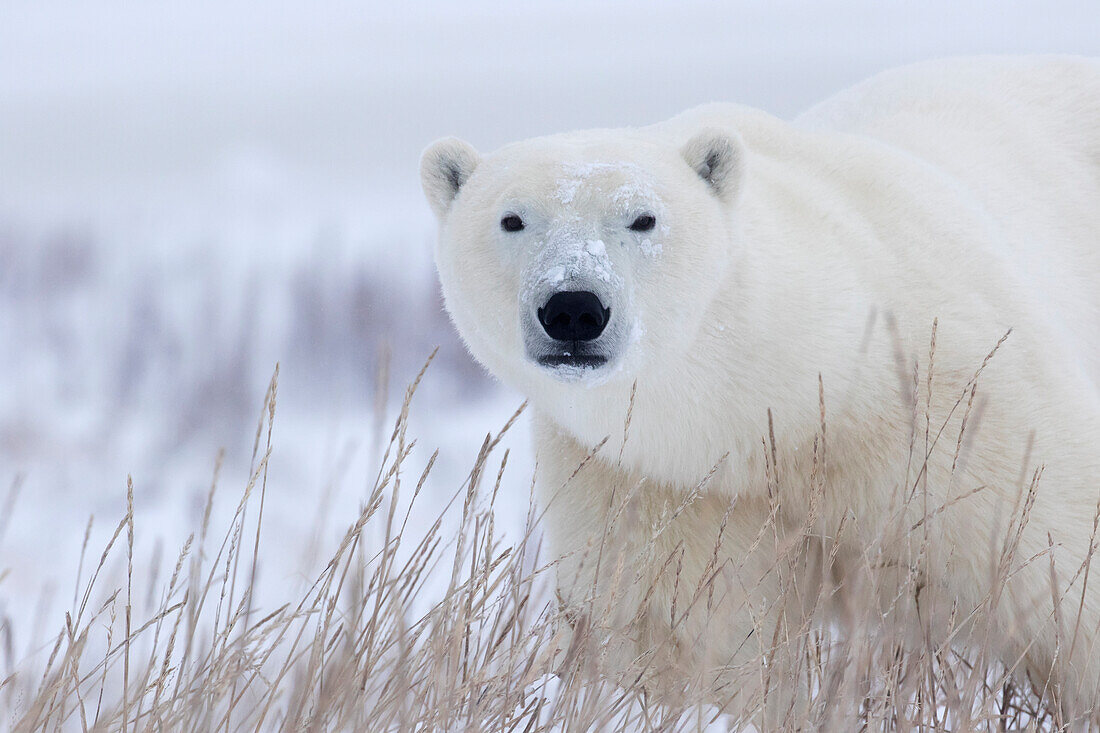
[(755, 348)]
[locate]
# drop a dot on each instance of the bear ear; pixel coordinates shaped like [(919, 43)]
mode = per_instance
[(444, 168), (717, 157)]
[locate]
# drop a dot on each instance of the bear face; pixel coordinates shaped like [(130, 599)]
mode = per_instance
[(582, 258)]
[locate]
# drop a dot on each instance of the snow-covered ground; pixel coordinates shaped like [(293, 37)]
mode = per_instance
[(190, 194)]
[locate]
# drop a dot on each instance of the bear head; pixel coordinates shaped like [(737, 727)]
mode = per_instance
[(586, 257)]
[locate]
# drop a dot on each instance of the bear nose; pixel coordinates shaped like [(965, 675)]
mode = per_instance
[(573, 316)]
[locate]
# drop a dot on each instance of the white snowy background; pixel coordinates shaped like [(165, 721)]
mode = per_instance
[(192, 192)]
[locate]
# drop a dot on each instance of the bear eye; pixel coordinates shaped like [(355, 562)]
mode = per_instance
[(511, 223), (643, 223)]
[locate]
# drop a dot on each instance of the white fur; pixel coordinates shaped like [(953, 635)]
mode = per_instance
[(966, 191)]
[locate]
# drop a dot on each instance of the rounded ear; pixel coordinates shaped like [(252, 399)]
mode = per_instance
[(717, 156), (444, 168)]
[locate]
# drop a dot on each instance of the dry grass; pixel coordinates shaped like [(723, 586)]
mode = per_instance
[(492, 651)]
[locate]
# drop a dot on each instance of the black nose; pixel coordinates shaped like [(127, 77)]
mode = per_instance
[(573, 316)]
